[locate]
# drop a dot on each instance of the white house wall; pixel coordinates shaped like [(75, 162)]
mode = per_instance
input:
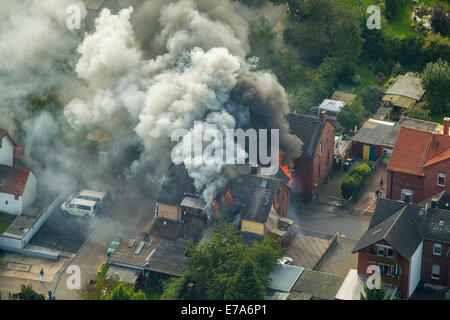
[(415, 269), (9, 204), (29, 193), (6, 152)]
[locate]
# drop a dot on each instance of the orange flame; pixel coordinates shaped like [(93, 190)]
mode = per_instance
[(285, 168)]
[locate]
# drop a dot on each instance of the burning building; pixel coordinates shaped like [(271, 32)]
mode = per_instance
[(258, 204)]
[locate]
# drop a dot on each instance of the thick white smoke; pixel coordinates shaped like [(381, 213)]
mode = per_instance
[(192, 80)]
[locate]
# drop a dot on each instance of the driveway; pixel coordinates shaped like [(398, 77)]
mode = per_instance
[(319, 220), (125, 218)]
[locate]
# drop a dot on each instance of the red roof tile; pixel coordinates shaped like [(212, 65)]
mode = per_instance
[(13, 180), (414, 149)]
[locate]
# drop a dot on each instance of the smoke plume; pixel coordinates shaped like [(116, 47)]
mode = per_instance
[(170, 64)]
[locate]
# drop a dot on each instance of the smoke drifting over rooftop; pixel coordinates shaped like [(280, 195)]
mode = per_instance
[(154, 67)]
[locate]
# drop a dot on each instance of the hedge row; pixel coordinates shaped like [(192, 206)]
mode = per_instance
[(354, 182)]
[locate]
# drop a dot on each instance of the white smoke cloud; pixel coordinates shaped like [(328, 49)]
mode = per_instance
[(192, 80)]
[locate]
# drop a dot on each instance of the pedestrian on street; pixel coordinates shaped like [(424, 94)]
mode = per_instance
[(381, 182), (42, 274), (378, 194)]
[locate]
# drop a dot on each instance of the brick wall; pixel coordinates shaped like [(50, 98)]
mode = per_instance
[(364, 263), (312, 171), (422, 187), (428, 259)]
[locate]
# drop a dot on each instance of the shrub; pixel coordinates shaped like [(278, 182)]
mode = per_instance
[(350, 186), (363, 170), (354, 182)]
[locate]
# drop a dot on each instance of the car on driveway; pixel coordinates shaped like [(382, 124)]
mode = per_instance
[(287, 261), (113, 245)]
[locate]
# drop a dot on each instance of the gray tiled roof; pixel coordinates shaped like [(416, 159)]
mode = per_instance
[(256, 195), (374, 132), (169, 258), (175, 185), (431, 224), (308, 129), (397, 230)]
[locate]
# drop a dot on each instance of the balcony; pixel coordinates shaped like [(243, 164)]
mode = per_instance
[(390, 280), (379, 259)]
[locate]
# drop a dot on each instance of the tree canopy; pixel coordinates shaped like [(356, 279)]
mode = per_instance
[(224, 267), (436, 82)]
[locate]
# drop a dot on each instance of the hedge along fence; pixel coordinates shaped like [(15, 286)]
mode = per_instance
[(353, 183)]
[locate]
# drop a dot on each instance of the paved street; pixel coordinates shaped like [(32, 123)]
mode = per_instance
[(324, 221), (127, 216)]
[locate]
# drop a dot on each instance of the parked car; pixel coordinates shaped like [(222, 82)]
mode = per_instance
[(113, 245), (100, 197), (80, 207), (287, 261)]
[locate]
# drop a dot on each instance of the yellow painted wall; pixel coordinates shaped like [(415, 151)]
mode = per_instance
[(254, 227), (366, 152)]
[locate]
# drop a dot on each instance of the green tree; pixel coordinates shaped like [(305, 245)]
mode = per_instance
[(120, 293), (436, 82), (27, 293), (393, 7), (138, 296), (351, 115), (419, 111), (440, 20), (324, 28), (374, 294), (245, 285), (215, 264), (371, 98)]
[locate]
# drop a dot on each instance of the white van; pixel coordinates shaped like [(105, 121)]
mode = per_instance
[(80, 207), (99, 197)]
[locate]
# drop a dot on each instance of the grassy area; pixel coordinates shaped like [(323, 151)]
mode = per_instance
[(366, 72), (401, 25), (5, 221)]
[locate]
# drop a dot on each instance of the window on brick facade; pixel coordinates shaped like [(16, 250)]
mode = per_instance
[(390, 253), (435, 271), (437, 249), (380, 251), (441, 180), (407, 196)]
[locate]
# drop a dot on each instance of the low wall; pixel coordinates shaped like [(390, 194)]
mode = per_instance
[(18, 244), (46, 254)]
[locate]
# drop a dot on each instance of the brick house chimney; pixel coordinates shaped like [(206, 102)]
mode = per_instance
[(446, 123), (434, 139)]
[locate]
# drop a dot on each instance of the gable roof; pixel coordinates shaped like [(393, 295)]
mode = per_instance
[(256, 195), (308, 129), (406, 86), (397, 230), (13, 180), (401, 224), (4, 133), (413, 150), (177, 183)]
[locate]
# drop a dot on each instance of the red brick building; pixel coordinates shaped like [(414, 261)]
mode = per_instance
[(316, 160), (419, 166), (408, 243)]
